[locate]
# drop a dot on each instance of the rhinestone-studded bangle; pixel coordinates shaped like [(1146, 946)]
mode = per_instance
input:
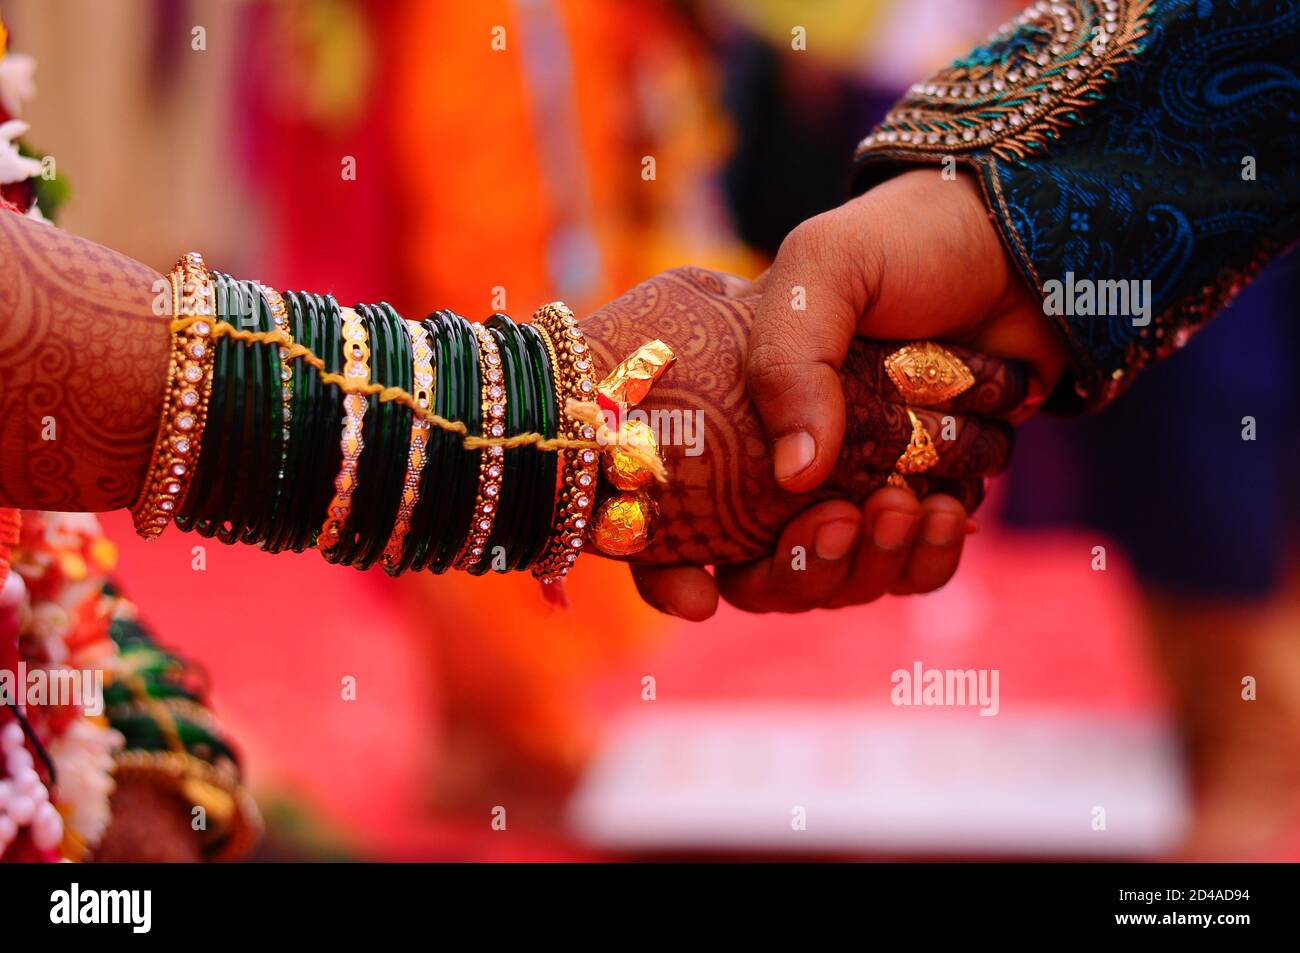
[(422, 375), (356, 365), (185, 402), (491, 466), (574, 377)]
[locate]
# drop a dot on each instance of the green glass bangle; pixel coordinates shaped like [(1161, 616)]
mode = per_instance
[(229, 492), (289, 490), (231, 423), (530, 504), (396, 448), (537, 528), (464, 464), (448, 464), (289, 496), (235, 425), (308, 430), (281, 492), (387, 488), (266, 422), (247, 419), (330, 420)]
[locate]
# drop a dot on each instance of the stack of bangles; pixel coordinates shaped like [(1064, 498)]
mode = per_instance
[(290, 422)]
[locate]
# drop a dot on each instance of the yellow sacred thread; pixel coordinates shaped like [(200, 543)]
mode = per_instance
[(580, 410)]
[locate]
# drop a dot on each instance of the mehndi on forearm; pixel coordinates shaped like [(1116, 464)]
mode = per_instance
[(83, 356)]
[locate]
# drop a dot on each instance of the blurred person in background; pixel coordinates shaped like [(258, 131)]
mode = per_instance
[(1211, 536)]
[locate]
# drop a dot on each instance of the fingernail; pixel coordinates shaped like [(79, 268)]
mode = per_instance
[(890, 530), (834, 540), (793, 454), (943, 529)]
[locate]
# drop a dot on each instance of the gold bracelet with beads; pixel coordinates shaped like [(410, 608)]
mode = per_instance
[(574, 377), (185, 402)]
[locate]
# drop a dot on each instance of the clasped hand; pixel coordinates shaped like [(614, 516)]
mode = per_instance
[(786, 496)]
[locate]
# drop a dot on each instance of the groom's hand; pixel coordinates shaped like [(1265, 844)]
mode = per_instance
[(915, 257), (851, 540)]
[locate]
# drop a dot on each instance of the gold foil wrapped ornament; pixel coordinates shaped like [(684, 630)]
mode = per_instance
[(629, 382), (623, 469), (624, 523)]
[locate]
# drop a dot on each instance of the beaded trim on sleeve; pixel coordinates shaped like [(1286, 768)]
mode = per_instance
[(1014, 94)]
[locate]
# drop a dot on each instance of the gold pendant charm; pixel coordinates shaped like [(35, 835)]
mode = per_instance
[(920, 454)]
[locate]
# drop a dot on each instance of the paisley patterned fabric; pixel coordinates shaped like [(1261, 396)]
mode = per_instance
[(1122, 141)]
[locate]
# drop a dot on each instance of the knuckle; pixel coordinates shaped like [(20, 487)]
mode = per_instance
[(811, 238), (769, 367)]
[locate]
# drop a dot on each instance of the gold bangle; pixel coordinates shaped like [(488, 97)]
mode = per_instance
[(492, 460), (356, 364), (422, 374), (574, 377), (185, 401)]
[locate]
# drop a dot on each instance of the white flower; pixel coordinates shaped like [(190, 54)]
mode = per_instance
[(83, 757), (13, 167), (17, 82)]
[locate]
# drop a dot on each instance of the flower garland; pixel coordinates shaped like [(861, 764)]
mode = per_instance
[(61, 619)]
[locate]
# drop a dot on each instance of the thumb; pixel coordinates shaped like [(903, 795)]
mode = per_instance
[(812, 297)]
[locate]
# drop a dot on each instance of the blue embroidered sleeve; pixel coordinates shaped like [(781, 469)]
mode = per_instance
[(1125, 149)]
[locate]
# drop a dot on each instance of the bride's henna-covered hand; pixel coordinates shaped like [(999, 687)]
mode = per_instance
[(83, 362), (83, 358), (723, 505)]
